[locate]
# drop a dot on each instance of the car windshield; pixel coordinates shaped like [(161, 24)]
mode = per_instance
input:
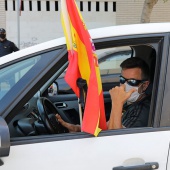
[(21, 72), (10, 75)]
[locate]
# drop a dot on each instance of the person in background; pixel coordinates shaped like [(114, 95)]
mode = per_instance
[(6, 46)]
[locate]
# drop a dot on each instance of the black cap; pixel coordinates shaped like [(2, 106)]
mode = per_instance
[(2, 30)]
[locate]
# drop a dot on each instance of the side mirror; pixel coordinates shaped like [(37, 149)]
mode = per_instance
[(53, 89), (4, 139)]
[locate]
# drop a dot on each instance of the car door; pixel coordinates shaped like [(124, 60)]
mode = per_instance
[(133, 148), (109, 150)]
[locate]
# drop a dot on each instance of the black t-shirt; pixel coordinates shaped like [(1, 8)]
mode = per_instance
[(7, 47), (136, 114)]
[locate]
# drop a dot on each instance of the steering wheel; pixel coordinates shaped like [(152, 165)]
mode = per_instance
[(47, 112)]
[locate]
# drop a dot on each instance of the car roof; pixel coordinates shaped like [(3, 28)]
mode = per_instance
[(104, 32)]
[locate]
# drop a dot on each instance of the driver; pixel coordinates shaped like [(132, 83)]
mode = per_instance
[(130, 102)]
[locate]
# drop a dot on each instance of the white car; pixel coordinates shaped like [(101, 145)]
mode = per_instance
[(30, 138)]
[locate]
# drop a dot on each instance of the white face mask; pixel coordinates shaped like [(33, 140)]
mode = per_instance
[(135, 95)]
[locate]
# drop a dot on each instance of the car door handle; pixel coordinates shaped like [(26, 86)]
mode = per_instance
[(61, 105), (146, 166)]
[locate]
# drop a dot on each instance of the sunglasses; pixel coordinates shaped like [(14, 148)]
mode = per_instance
[(131, 82)]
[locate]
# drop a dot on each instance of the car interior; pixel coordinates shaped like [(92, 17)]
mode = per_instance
[(37, 116)]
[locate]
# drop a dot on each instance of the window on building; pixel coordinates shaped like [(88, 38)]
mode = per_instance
[(13, 5), (89, 5), (97, 6), (6, 6), (39, 5), (30, 5), (47, 5), (114, 6), (105, 6), (81, 5), (56, 5)]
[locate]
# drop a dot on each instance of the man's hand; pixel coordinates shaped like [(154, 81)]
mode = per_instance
[(69, 126), (119, 95)]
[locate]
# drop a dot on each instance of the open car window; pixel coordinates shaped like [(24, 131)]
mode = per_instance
[(109, 60)]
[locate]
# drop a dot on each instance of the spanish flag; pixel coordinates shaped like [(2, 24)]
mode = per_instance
[(83, 63)]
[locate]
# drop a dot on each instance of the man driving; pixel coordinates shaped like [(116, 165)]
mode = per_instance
[(130, 102)]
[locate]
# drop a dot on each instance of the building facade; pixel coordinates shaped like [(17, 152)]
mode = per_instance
[(40, 19), (2, 14)]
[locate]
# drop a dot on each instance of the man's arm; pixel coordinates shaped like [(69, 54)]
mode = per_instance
[(115, 117), (14, 47), (118, 97), (69, 126)]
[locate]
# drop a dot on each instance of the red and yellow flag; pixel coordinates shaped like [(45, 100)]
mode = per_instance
[(83, 63)]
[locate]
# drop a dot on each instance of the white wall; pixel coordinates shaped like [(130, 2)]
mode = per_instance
[(2, 14), (40, 26)]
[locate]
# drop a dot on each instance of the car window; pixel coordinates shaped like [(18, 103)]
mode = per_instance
[(109, 63), (110, 59), (10, 75)]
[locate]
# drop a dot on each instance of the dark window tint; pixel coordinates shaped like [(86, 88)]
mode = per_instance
[(6, 6), (114, 6), (81, 5), (39, 5), (56, 5), (30, 5), (89, 5), (13, 5), (47, 5), (105, 6), (97, 6)]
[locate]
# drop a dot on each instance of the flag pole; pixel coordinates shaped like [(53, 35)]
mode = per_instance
[(82, 85), (80, 112), (18, 22)]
